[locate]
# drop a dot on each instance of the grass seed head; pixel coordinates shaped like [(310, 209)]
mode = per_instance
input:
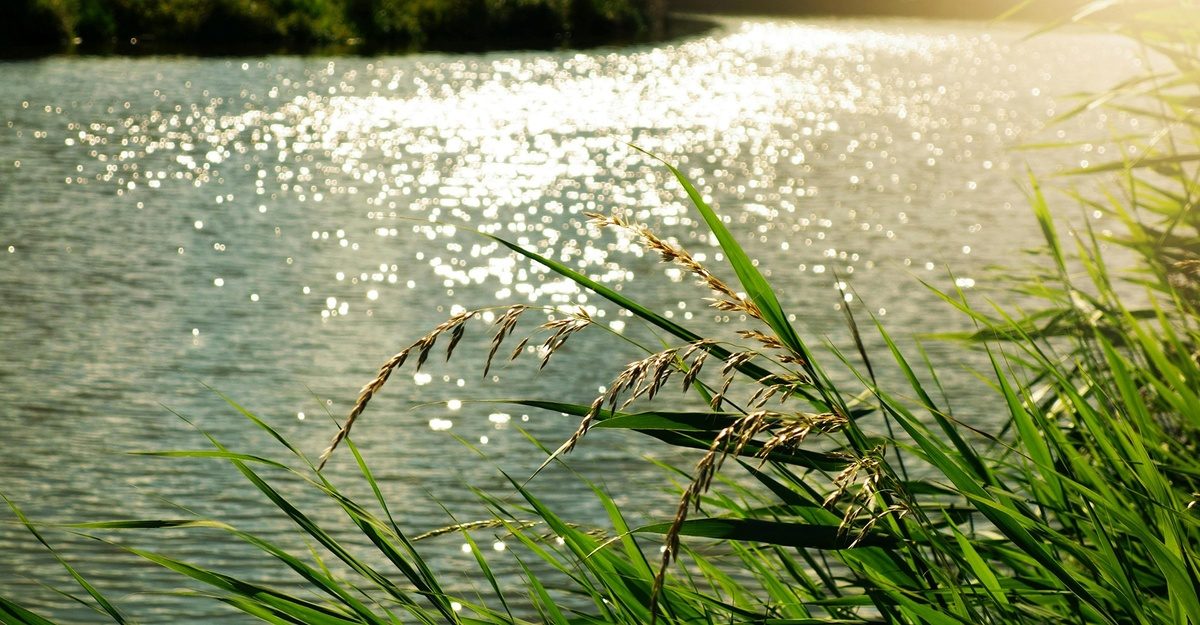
[(729, 299), (455, 325), (504, 326)]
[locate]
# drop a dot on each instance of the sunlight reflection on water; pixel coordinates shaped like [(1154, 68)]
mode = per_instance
[(277, 227)]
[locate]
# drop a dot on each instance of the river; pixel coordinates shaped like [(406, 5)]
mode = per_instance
[(264, 227)]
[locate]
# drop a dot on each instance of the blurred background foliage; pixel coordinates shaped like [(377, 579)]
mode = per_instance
[(117, 25)]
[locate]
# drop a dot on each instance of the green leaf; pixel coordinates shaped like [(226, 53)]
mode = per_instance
[(756, 286), (800, 535), (100, 600), (1152, 162), (12, 613), (702, 438)]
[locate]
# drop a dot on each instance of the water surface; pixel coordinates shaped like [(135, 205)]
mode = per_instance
[(265, 226)]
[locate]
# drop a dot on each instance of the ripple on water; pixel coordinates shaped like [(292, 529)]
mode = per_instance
[(277, 227)]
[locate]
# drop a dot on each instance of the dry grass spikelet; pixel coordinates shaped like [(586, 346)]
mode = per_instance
[(898, 510), (518, 349), (761, 395), (563, 329), (659, 369), (868, 465), (718, 398), (1185, 275), (731, 440), (455, 325), (868, 470), (471, 525), (787, 430), (643, 378), (631, 377), (785, 355), (736, 360), (693, 368), (792, 430), (729, 300), (1188, 266), (504, 327), (585, 424), (763, 339)]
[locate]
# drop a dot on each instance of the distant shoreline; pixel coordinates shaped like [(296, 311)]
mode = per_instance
[(677, 27), (687, 19), (35, 28), (945, 9)]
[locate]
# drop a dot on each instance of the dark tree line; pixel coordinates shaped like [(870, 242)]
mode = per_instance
[(50, 25)]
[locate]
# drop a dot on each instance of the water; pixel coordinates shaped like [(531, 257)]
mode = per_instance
[(264, 226)]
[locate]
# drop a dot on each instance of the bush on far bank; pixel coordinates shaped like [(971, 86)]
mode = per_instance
[(108, 25)]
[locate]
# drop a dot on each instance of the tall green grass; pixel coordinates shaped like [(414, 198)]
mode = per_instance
[(823, 502)]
